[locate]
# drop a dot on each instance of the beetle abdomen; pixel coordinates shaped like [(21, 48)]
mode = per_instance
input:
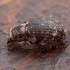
[(47, 32)]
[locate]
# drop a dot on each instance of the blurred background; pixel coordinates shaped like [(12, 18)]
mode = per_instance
[(13, 12)]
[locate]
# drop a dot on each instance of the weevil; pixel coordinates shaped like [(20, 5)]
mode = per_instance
[(41, 33)]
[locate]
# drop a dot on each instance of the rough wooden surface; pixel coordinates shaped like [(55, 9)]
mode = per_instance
[(13, 12)]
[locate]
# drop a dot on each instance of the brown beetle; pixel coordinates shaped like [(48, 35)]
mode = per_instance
[(41, 33)]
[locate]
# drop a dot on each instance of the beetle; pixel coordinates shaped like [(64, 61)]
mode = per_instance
[(41, 33)]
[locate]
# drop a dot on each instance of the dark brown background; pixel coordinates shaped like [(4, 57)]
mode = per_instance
[(13, 12)]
